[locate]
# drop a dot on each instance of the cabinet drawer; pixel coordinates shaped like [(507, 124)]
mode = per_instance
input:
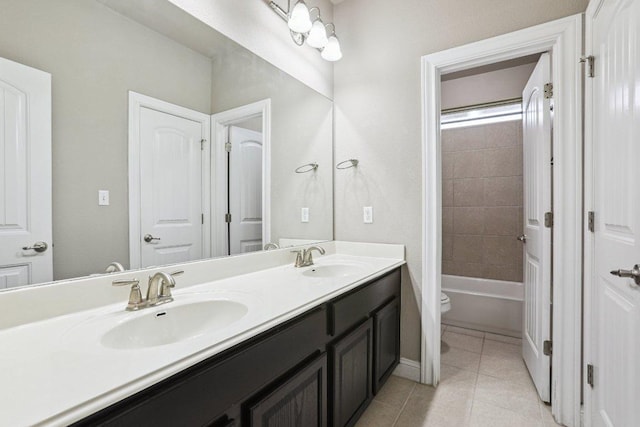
[(359, 304)]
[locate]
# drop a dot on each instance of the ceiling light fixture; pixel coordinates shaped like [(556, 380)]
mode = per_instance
[(332, 51), (303, 29), (300, 19)]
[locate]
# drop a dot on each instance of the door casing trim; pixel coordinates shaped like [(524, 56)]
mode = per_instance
[(563, 38), (219, 123)]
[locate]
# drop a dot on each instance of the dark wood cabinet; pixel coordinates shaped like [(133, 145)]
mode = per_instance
[(352, 367), (300, 401), (386, 347), (318, 369)]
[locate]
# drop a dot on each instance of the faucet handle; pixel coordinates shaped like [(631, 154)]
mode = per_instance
[(299, 258), (135, 296), (125, 282)]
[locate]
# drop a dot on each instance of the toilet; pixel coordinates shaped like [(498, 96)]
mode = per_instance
[(445, 303)]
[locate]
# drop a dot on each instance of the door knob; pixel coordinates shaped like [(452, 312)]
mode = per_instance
[(149, 238), (37, 246), (632, 274), (522, 238)]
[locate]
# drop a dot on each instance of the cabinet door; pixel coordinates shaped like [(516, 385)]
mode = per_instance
[(386, 344), (301, 401), (352, 374)]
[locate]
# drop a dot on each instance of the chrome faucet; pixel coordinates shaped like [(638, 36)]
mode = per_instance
[(304, 257), (158, 291)]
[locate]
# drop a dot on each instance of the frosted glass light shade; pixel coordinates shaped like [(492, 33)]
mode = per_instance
[(332, 51), (318, 35), (300, 21)]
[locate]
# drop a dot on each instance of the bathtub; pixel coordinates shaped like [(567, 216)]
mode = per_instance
[(484, 304)]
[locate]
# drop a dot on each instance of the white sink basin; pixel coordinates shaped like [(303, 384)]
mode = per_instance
[(169, 324), (335, 270)]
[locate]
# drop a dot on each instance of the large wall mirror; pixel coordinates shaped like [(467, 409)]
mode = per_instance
[(134, 135)]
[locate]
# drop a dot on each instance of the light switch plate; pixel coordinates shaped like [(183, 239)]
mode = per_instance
[(304, 214), (367, 213), (103, 197)]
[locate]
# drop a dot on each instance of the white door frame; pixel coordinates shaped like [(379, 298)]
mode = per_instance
[(136, 102), (563, 38), (219, 123)]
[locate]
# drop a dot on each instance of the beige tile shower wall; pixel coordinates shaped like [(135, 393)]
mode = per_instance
[(482, 201)]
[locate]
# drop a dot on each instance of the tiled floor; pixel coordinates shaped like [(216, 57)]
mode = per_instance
[(484, 382)]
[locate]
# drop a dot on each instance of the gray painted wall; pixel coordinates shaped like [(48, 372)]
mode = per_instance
[(95, 57), (301, 132), (377, 96)]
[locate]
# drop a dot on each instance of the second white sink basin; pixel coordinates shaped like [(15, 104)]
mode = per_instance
[(168, 324), (335, 270)]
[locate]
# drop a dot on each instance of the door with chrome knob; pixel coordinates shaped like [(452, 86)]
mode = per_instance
[(25, 166)]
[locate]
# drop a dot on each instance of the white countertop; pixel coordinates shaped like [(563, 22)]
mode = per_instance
[(56, 371)]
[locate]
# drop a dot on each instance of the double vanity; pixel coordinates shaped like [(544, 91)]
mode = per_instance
[(247, 340)]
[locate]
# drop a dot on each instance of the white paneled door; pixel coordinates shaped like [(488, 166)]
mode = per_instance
[(245, 190), (536, 132), (25, 175), (171, 188), (614, 33)]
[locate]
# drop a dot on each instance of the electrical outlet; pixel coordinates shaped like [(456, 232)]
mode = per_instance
[(304, 215), (103, 197), (367, 212)]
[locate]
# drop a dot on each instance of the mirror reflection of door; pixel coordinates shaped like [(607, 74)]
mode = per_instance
[(172, 191), (25, 175), (171, 188), (245, 187)]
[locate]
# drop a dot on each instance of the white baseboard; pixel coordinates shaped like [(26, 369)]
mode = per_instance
[(409, 369)]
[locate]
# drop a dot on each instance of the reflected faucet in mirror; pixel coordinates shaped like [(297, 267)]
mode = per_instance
[(114, 267), (271, 245)]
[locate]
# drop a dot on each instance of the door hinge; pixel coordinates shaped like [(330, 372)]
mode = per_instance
[(590, 375), (227, 217), (227, 147), (548, 91), (202, 142), (591, 65), (591, 221), (202, 219), (547, 348), (548, 219)]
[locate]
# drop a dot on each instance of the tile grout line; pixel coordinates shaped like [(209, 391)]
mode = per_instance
[(475, 385), (395, 421)]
